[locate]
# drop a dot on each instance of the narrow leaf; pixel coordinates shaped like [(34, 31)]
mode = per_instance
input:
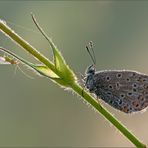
[(43, 70), (60, 65), (40, 69)]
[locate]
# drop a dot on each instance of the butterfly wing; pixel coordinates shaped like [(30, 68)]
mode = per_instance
[(126, 91)]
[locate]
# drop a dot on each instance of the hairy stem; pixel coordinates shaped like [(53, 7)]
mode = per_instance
[(107, 115), (24, 44), (74, 85)]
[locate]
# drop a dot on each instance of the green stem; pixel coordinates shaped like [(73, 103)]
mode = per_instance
[(22, 43), (107, 115), (12, 35)]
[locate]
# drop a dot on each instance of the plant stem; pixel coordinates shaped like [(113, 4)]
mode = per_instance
[(107, 115), (22, 43), (75, 86)]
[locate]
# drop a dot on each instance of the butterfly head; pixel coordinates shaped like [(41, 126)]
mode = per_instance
[(90, 70)]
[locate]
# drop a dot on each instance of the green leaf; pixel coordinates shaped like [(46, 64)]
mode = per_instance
[(41, 69), (45, 71), (61, 67)]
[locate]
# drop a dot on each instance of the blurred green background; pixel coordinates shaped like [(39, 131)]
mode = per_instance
[(39, 113)]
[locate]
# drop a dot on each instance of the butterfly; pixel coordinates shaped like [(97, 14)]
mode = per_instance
[(124, 90)]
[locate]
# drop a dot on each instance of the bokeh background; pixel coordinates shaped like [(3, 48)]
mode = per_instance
[(36, 112)]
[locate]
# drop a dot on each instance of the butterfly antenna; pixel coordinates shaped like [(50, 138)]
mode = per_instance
[(92, 57), (92, 48)]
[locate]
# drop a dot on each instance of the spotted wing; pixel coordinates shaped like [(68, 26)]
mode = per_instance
[(124, 90)]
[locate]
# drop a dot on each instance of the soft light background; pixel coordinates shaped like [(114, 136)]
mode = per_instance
[(38, 113)]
